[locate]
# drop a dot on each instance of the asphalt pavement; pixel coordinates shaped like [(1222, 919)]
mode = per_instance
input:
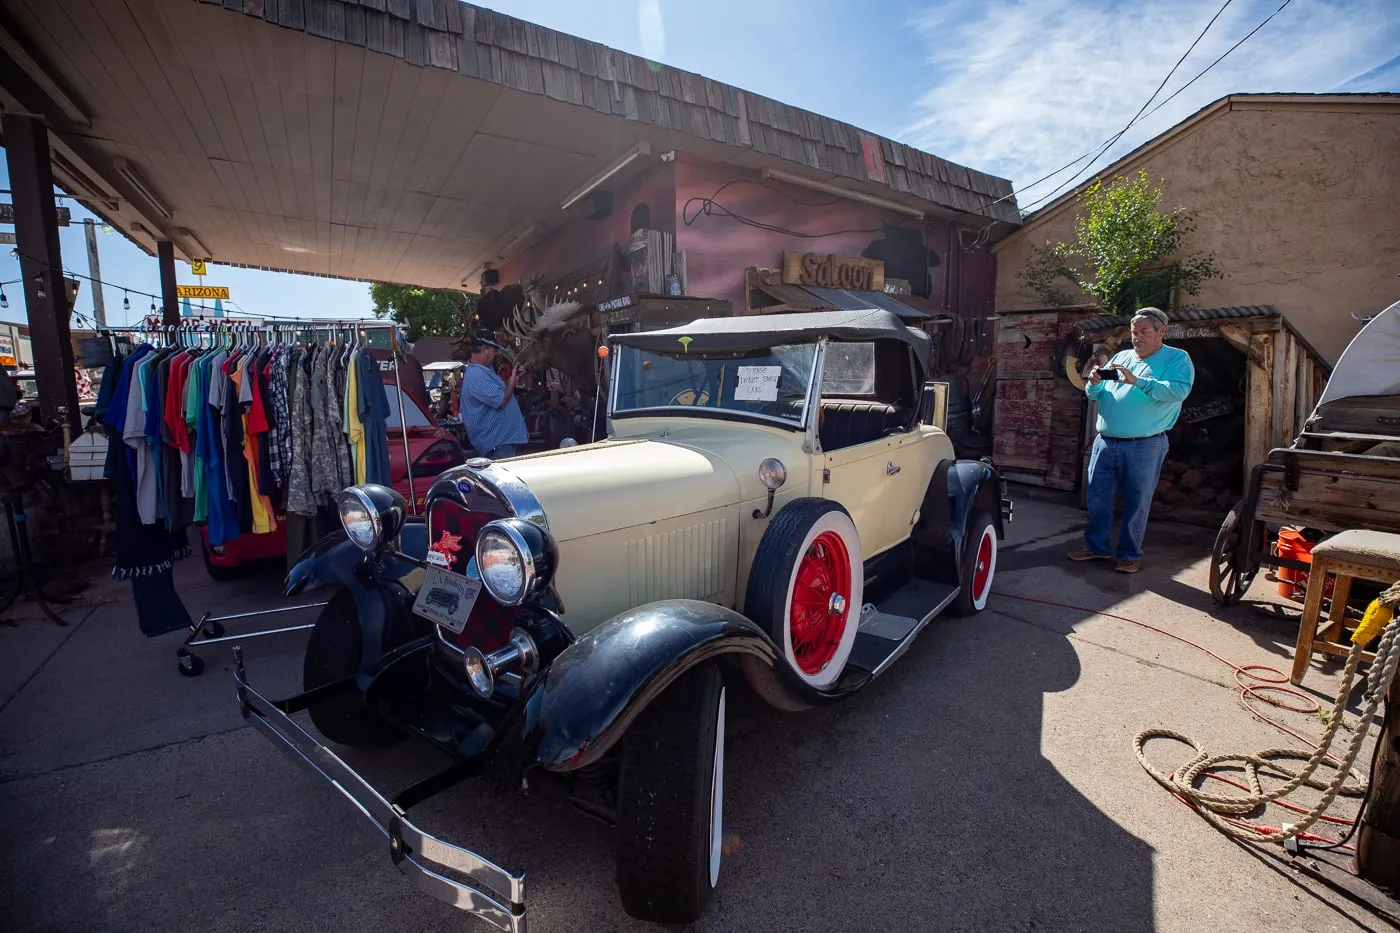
[(986, 783)]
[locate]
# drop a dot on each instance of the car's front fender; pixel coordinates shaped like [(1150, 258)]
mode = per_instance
[(596, 687), (379, 584)]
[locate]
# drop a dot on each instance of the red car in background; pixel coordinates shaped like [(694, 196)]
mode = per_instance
[(431, 450)]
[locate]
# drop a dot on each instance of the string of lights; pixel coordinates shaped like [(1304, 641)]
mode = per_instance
[(126, 291)]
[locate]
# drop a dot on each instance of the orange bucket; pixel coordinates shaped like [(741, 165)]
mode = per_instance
[(1291, 544)]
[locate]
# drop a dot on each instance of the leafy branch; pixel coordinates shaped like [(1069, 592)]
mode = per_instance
[(1126, 253)]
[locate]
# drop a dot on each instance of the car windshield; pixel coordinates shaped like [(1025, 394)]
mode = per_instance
[(771, 383)]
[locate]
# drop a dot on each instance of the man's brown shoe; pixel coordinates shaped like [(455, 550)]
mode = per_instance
[(1087, 554), (1128, 566)]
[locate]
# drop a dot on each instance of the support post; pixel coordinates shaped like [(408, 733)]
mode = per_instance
[(99, 307), (41, 265), (165, 255), (1378, 836)]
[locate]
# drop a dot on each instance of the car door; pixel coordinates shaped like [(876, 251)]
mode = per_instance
[(882, 484), (881, 481)]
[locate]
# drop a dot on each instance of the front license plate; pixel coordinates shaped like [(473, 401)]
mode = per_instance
[(446, 598)]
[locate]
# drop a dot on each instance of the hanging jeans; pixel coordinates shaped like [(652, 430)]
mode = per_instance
[(1132, 468)]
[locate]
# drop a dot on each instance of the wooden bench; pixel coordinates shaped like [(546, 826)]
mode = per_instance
[(1351, 555)]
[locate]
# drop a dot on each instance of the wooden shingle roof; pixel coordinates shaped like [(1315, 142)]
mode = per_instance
[(491, 46)]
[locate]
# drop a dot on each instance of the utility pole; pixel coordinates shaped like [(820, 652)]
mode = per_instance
[(99, 310)]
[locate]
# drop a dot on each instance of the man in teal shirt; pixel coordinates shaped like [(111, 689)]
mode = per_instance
[(1137, 407)]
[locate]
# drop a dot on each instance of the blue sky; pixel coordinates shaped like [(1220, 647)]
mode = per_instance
[(1012, 87)]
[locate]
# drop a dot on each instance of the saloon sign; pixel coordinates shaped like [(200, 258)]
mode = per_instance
[(825, 270)]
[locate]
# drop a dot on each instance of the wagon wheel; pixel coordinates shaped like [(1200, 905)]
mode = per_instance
[(1228, 582)]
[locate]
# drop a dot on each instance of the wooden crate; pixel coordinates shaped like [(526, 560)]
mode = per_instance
[(1331, 501)]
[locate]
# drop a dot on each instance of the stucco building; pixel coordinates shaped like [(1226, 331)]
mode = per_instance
[(1297, 195)]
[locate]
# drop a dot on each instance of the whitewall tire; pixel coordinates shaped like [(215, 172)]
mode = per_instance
[(806, 588)]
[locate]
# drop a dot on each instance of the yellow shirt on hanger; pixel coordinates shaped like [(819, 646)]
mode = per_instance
[(264, 520), (354, 427)]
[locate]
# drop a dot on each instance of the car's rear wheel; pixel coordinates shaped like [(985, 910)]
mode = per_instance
[(333, 653), (806, 585), (979, 565), (671, 801)]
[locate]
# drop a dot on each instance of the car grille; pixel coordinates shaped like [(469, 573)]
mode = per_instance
[(452, 531)]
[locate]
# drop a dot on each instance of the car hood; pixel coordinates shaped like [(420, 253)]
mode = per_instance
[(602, 487)]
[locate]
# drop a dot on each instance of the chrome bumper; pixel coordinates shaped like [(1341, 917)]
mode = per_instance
[(409, 846)]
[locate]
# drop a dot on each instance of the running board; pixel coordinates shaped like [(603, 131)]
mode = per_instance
[(888, 631)]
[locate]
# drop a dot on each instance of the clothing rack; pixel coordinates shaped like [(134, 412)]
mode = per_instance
[(303, 330), (267, 333)]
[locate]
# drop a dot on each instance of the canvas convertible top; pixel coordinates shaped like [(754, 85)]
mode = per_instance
[(758, 331)]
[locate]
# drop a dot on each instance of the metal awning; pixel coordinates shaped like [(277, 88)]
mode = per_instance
[(841, 299)]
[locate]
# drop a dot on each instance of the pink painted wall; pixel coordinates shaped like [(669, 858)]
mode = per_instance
[(587, 243), (719, 247)]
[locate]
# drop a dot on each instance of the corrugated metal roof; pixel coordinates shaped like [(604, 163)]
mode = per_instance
[(861, 301), (1181, 316), (843, 300), (797, 296)]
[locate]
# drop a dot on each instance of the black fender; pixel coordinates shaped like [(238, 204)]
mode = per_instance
[(959, 489), (596, 687), (377, 582)]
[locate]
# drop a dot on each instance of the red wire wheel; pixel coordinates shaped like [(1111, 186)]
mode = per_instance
[(806, 585), (820, 602), (982, 570)]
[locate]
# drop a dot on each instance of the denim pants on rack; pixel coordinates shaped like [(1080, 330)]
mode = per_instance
[(1132, 468)]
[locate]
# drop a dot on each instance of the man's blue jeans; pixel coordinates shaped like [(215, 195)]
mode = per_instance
[(501, 452), (1131, 467)]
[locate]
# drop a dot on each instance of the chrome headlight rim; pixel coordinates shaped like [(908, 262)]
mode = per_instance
[(523, 551), (362, 499), (772, 473)]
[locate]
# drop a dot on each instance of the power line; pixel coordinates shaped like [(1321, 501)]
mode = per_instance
[(1102, 148)]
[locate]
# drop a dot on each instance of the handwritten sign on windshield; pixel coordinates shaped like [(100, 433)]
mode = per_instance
[(757, 384)]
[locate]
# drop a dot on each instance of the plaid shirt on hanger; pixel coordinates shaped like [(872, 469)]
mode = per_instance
[(279, 449)]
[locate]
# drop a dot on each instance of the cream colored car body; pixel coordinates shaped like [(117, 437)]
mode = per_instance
[(664, 509)]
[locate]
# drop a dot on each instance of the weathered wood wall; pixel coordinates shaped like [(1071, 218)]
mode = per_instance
[(1039, 415)]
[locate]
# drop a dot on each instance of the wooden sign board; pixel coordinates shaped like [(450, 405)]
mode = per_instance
[(825, 270), (7, 215), (201, 291)]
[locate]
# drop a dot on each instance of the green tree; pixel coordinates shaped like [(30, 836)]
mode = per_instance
[(1126, 253), (424, 311)]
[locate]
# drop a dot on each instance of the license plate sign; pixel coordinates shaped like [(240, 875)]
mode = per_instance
[(446, 598)]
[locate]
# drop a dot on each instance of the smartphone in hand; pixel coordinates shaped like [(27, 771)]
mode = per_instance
[(1108, 374)]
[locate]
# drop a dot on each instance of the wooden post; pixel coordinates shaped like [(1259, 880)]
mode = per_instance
[(1259, 403), (1378, 836), (41, 266), (165, 259)]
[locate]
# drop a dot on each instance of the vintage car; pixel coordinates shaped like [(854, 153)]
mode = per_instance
[(773, 505)]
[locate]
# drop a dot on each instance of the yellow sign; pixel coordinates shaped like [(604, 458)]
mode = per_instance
[(201, 291), (197, 267)]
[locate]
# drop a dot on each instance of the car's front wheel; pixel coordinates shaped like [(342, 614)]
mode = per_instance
[(806, 586), (333, 653), (671, 801)]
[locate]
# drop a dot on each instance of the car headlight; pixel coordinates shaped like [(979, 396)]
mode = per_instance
[(771, 473), (371, 515), (515, 559)]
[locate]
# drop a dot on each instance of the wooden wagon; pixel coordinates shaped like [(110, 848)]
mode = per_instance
[(1342, 471)]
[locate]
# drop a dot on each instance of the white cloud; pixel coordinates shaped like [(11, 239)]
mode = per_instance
[(1021, 87)]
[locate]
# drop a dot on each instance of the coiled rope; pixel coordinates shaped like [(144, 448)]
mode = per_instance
[(1217, 809), (1221, 810)]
